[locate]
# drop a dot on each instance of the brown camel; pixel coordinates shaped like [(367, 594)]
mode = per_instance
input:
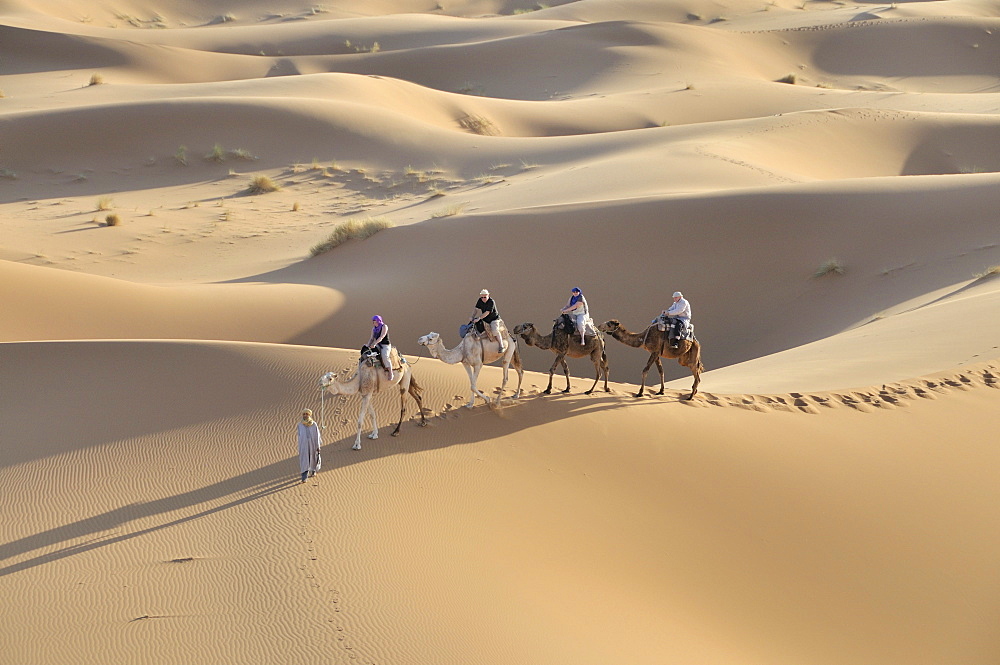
[(564, 344), (687, 353)]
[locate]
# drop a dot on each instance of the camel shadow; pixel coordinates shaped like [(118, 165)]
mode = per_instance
[(262, 482)]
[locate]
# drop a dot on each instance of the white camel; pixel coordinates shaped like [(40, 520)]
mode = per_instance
[(367, 381), (473, 354)]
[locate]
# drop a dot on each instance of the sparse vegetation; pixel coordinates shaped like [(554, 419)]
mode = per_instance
[(436, 191), (218, 154), (225, 216), (112, 220), (352, 229), (262, 184), (989, 272), (295, 207), (787, 78), (242, 153), (1, 94), (7, 174), (181, 155), (96, 79), (104, 203), (829, 267), (477, 124), (450, 211), (360, 48), (468, 88)]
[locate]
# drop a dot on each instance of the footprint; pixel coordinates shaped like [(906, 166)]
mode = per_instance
[(823, 401), (805, 406)]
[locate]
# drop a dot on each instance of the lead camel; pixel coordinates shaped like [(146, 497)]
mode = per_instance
[(687, 353)]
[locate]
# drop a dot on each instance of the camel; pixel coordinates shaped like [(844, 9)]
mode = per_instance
[(367, 381), (473, 353), (688, 353), (564, 344)]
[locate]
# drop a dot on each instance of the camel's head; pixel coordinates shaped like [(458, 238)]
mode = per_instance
[(327, 379), (523, 328), (609, 326), (430, 339)]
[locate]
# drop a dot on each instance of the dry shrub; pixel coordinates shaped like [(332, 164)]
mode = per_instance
[(218, 154), (104, 203), (829, 267), (112, 220), (477, 124), (787, 78), (352, 229), (262, 184), (989, 272), (96, 79)]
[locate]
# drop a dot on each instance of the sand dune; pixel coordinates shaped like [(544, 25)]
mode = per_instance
[(819, 179)]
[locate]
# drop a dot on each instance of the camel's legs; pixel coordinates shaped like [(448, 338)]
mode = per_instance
[(552, 370), (473, 376), (516, 362), (653, 358), (414, 391), (565, 369), (600, 371), (402, 408), (361, 422), (371, 410), (607, 371), (659, 367)]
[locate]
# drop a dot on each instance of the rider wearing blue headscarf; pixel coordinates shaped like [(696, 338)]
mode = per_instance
[(577, 308)]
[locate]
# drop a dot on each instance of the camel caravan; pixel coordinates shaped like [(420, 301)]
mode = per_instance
[(485, 339)]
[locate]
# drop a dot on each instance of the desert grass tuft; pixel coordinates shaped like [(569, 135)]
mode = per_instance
[(450, 211), (477, 124), (829, 267), (112, 220), (181, 155), (104, 203), (787, 78), (218, 154), (96, 79), (352, 229), (989, 272), (242, 153), (295, 207), (262, 184)]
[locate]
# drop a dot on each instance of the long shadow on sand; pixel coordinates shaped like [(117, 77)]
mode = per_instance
[(262, 482)]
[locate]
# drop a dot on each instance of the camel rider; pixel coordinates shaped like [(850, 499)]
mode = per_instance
[(380, 341), (678, 315), (578, 310), (486, 313)]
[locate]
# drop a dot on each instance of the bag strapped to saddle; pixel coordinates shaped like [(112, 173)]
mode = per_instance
[(372, 357)]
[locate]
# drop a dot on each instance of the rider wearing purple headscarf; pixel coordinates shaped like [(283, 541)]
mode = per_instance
[(380, 341)]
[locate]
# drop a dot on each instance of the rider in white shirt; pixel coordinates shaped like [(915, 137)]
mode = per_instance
[(679, 314)]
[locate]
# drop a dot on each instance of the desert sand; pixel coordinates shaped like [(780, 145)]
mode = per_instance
[(820, 179)]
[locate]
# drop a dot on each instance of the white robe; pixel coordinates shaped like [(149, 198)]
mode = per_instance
[(309, 442)]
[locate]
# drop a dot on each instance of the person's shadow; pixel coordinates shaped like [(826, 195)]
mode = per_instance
[(216, 381)]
